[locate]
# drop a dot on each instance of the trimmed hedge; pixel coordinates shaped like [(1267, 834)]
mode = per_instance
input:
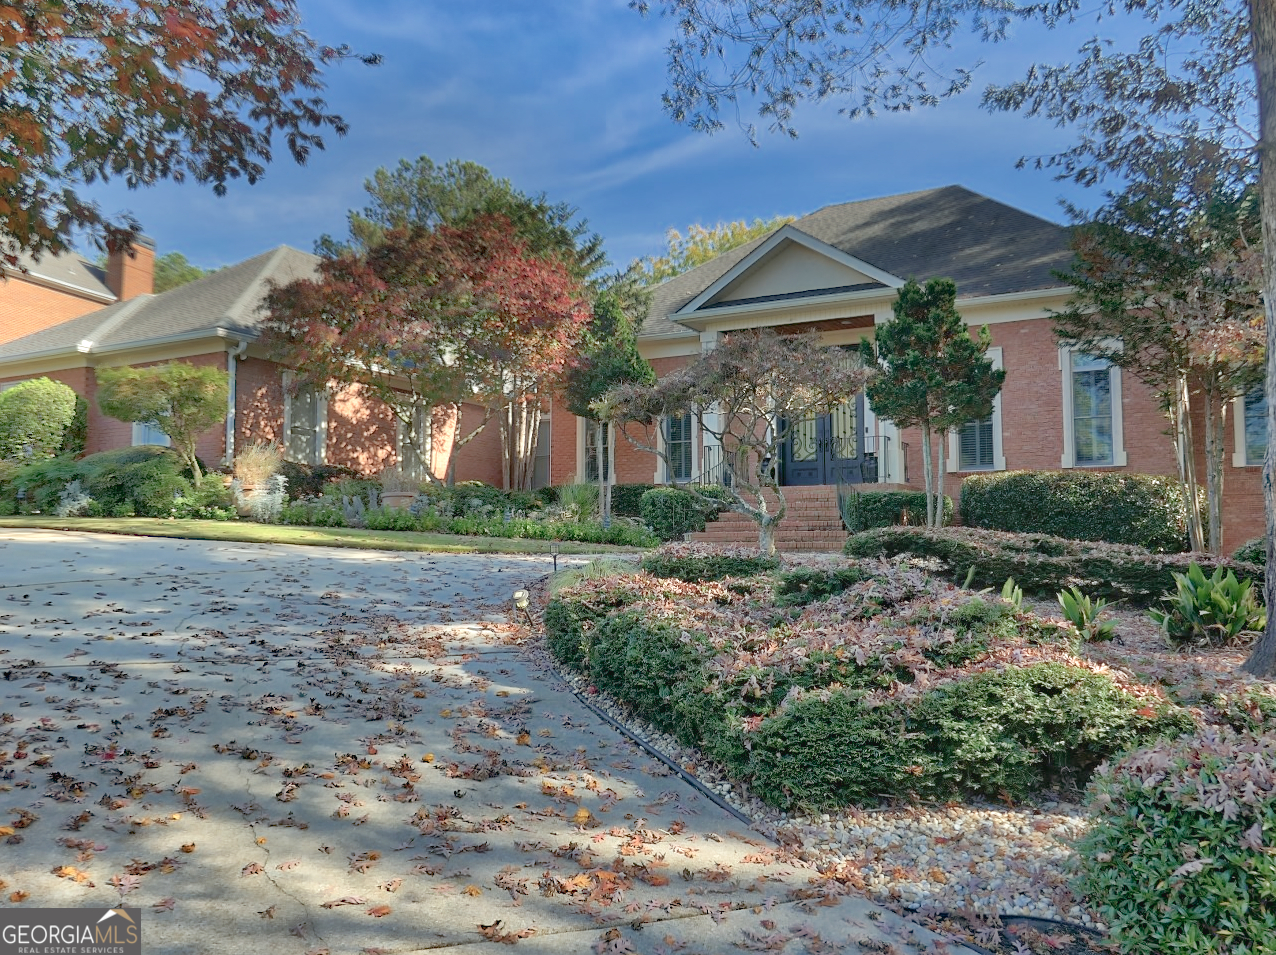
[(697, 568), (791, 718), (311, 480), (672, 512), (626, 499), (864, 510), (1144, 510), (805, 585), (35, 416), (1179, 858), (1252, 552), (1041, 564)]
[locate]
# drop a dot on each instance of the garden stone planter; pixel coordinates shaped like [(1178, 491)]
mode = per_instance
[(397, 500), (243, 500)]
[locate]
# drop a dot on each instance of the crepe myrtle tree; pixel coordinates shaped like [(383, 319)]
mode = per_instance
[(180, 399), (747, 394)]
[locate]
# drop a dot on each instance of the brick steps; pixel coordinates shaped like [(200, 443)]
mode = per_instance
[(812, 521)]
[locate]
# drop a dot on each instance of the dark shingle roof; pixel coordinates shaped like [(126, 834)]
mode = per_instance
[(66, 268), (985, 246), (228, 299)]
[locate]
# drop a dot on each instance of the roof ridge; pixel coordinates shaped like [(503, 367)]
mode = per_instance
[(250, 290), (126, 310), (895, 195)]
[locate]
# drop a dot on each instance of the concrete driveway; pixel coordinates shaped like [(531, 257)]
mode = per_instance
[(309, 750)]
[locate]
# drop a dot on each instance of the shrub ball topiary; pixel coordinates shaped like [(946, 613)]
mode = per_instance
[(34, 418), (1146, 510), (1179, 857)]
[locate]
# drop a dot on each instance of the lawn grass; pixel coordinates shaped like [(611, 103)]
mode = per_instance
[(247, 532)]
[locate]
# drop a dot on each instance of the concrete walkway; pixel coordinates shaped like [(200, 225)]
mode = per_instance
[(308, 750)]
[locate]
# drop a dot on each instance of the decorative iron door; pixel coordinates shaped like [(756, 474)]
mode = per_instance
[(828, 449)]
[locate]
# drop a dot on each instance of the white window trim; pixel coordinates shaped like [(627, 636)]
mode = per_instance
[(321, 431), (581, 425), (139, 435), (661, 474), (1068, 459), (998, 451), (1240, 451)]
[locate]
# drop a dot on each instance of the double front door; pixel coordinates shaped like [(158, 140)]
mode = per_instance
[(829, 449)]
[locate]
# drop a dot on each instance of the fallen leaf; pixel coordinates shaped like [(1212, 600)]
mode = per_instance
[(473, 891), (379, 911), (164, 905)]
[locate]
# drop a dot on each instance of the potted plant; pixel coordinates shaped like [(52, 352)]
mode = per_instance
[(254, 467), (398, 490)]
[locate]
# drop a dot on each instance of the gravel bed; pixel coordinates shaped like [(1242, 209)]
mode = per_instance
[(983, 860)]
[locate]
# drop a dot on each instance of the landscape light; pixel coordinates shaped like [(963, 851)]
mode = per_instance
[(521, 599), (553, 550)]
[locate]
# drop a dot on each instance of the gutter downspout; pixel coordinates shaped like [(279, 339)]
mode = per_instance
[(232, 355)]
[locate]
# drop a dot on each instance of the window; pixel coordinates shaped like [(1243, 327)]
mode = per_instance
[(679, 447), (591, 451), (146, 433), (976, 445), (1091, 411), (412, 461), (305, 425), (540, 467), (1251, 428)]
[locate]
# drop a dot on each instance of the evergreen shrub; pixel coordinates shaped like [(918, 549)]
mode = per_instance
[(673, 512), (1179, 854), (1039, 563), (1144, 510), (626, 499), (34, 418), (698, 563), (864, 510)]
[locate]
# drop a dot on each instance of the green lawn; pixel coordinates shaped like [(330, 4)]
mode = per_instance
[(248, 532)]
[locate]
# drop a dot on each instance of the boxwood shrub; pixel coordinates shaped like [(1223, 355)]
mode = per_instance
[(1146, 510), (1178, 857), (1253, 552), (1039, 563), (804, 585), (570, 617), (864, 510)]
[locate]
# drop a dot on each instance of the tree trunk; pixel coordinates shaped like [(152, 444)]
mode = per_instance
[(766, 539), (926, 475), (939, 480), (1262, 19), (1215, 422), (600, 461), (1185, 446), (193, 461)]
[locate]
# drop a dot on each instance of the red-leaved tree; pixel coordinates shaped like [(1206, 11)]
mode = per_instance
[(430, 320)]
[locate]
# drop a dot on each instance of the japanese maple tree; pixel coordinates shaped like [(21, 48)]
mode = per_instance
[(144, 90), (429, 320), (747, 395)]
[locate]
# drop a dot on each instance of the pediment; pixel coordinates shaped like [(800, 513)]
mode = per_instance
[(789, 265), (791, 269)]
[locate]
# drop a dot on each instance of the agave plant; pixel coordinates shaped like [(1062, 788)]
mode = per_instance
[(1209, 611)]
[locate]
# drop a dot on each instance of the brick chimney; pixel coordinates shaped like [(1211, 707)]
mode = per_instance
[(131, 273)]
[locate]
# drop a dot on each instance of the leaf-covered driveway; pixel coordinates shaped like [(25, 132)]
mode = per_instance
[(311, 750)]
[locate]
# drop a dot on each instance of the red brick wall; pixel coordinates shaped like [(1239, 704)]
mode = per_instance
[(26, 307), (362, 431), (131, 272), (1032, 428), (481, 458), (632, 465)]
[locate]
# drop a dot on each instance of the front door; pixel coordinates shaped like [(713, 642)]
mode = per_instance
[(828, 449)]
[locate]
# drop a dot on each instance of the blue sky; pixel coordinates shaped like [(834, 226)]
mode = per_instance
[(563, 96)]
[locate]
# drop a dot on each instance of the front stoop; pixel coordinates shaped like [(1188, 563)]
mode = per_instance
[(812, 523)]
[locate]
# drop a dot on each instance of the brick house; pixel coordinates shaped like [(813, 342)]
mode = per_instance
[(837, 271), (39, 294), (214, 321)]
